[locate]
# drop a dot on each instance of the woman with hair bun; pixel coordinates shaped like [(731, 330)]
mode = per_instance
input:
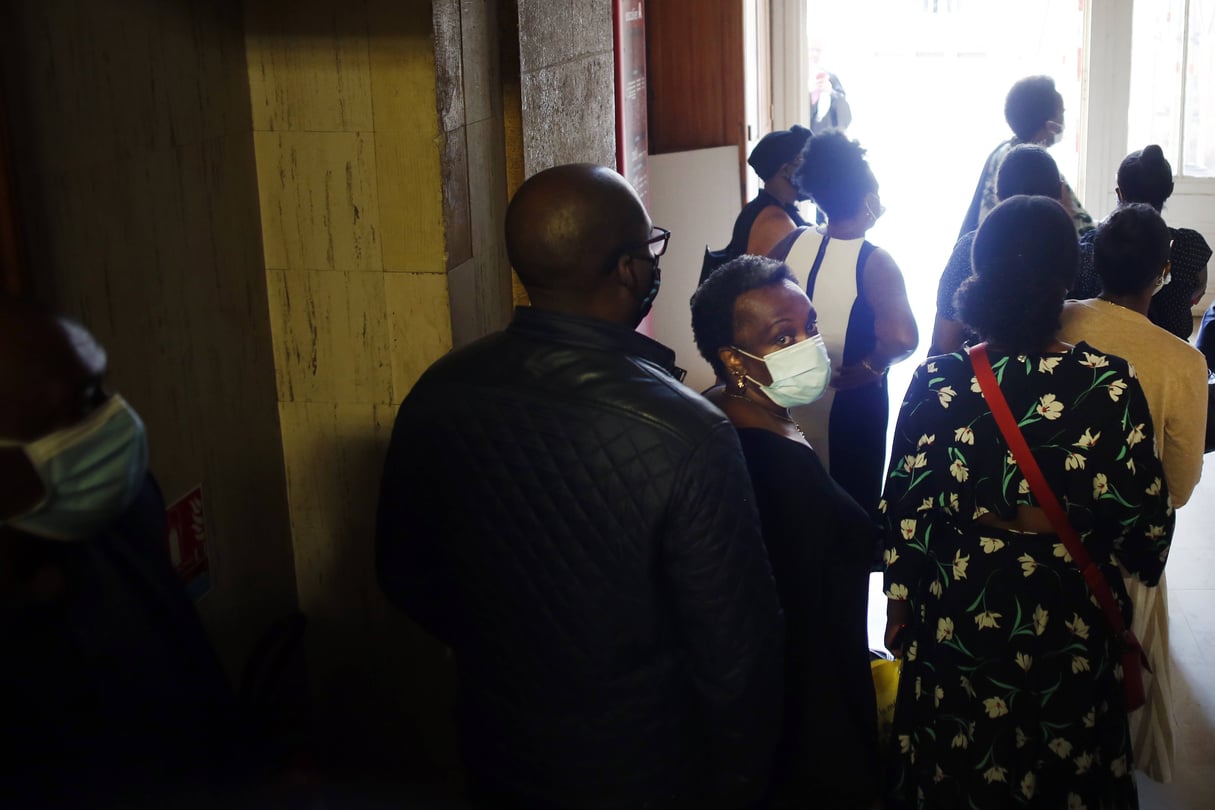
[(867, 324), (1131, 257), (1145, 176), (1010, 691)]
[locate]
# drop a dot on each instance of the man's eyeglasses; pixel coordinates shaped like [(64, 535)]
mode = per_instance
[(658, 242)]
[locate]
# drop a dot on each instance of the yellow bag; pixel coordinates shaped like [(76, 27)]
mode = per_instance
[(886, 684)]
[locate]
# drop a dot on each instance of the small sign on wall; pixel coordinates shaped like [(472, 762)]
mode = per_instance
[(187, 541)]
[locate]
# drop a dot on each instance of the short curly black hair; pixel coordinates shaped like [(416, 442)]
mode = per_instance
[(835, 174), (1030, 103), (1024, 256), (1145, 176), (1130, 249), (713, 302), (1028, 169)]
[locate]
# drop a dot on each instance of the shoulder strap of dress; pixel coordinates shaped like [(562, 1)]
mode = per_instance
[(781, 251), (867, 249), (818, 262)]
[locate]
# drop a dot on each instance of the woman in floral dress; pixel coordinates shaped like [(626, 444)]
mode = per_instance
[(1010, 693)]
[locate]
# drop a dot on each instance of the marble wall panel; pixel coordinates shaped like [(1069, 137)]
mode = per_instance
[(309, 68), (408, 140), (331, 338), (319, 201), (334, 452), (420, 320)]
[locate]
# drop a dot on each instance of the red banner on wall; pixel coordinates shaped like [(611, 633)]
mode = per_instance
[(632, 136)]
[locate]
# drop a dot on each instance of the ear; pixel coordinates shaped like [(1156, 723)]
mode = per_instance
[(628, 273), (732, 360), (1118, 193)]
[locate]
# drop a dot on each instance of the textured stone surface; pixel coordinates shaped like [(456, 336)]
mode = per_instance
[(569, 114), (456, 214), (449, 64), (552, 32), (482, 75)]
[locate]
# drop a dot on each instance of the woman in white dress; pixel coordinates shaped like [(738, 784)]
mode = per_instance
[(864, 316)]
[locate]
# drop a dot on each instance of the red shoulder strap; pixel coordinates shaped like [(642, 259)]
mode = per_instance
[(1007, 423)]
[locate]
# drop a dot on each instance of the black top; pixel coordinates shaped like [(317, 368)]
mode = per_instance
[(112, 694), (742, 231), (821, 544), (1170, 308), (577, 526)]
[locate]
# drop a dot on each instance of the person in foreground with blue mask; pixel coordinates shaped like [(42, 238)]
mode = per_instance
[(110, 692), (754, 324)]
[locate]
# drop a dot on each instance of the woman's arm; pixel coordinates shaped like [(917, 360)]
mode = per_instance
[(771, 226), (894, 324)]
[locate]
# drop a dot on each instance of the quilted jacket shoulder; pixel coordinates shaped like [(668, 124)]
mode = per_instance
[(580, 528)]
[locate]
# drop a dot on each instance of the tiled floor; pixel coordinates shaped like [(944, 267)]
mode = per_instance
[(1191, 577)]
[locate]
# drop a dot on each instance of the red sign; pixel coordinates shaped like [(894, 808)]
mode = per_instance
[(632, 133), (187, 541)]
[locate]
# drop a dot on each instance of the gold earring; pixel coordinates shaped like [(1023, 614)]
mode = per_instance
[(739, 381)]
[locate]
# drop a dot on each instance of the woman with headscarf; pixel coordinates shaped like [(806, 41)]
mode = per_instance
[(773, 213)]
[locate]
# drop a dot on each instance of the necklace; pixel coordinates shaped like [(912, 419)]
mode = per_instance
[(767, 411)]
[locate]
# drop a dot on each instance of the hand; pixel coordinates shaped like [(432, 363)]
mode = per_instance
[(898, 614)]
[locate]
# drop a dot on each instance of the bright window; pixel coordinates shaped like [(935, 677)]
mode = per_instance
[(1173, 83)]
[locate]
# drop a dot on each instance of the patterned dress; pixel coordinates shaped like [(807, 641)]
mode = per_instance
[(1009, 694), (985, 194)]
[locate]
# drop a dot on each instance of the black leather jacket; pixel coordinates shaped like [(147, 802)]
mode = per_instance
[(580, 529)]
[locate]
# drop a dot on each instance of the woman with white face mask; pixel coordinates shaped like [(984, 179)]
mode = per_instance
[(756, 327), (1034, 112)]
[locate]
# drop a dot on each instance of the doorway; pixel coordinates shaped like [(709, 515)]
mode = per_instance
[(926, 89)]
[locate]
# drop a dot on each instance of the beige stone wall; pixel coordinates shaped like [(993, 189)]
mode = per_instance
[(137, 195), (352, 187)]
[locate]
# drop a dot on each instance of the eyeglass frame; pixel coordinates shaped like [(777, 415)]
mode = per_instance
[(663, 239)]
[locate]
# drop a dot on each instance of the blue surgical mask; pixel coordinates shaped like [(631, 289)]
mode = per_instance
[(90, 471), (799, 373)]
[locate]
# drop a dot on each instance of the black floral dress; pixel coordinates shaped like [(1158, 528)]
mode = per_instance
[(1010, 694)]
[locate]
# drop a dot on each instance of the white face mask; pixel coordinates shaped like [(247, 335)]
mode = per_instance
[(1165, 278), (1055, 130), (800, 372), (91, 472)]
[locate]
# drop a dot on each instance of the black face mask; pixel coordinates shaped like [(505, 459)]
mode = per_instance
[(647, 302)]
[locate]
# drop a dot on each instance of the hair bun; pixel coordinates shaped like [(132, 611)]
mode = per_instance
[(1153, 153)]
